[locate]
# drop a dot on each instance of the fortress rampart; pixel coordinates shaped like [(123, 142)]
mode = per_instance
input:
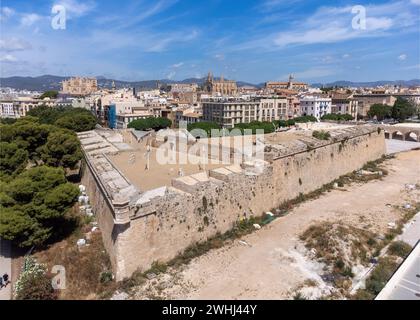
[(140, 228)]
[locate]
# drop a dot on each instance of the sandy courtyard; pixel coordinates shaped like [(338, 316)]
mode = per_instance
[(266, 264)]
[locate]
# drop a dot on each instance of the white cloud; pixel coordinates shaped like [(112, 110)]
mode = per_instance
[(219, 57), (417, 2), (28, 19), (161, 44), (383, 23), (334, 24), (76, 8), (402, 57), (413, 67), (171, 75), (315, 73), (6, 12), (14, 44), (8, 58), (346, 56), (327, 59), (177, 65)]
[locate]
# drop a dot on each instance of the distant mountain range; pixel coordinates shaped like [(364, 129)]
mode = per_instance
[(342, 83), (50, 82)]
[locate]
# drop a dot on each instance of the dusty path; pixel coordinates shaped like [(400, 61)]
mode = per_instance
[(5, 267), (270, 267)]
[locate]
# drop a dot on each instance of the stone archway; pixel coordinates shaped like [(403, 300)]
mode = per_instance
[(412, 136), (387, 135), (398, 135)]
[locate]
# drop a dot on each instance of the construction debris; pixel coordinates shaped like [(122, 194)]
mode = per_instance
[(81, 243)]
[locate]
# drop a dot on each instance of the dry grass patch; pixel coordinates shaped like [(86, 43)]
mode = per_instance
[(88, 269)]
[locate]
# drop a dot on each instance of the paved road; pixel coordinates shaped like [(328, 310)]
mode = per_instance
[(5, 267), (405, 283), (411, 234), (394, 146)]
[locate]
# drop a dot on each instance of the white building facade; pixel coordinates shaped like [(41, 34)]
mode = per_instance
[(315, 106)]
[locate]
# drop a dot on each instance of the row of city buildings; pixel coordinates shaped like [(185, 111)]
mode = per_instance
[(217, 100)]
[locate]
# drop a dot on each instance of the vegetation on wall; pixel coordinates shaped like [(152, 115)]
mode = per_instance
[(321, 135)]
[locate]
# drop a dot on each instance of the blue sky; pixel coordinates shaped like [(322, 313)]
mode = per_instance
[(246, 40)]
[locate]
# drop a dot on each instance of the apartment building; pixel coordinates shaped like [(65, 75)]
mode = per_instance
[(19, 107), (315, 106), (343, 103), (228, 112)]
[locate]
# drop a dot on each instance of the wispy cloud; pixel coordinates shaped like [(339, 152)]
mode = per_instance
[(402, 57), (5, 13), (315, 73), (412, 67), (141, 14), (177, 65), (14, 44), (334, 24), (75, 8), (29, 19), (8, 58)]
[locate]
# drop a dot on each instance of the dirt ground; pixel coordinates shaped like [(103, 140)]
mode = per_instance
[(271, 263)]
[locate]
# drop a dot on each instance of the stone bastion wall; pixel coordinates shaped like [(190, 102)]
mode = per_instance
[(157, 225)]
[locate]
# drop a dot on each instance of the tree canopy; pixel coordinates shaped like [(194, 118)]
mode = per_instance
[(52, 145), (150, 124), (337, 117), (12, 158), (380, 111), (33, 203), (206, 126), (267, 127), (403, 109), (49, 94), (76, 119)]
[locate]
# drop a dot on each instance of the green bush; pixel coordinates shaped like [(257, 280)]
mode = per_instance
[(321, 135), (280, 123), (304, 119), (400, 249), (33, 283), (337, 117), (380, 276), (105, 277)]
